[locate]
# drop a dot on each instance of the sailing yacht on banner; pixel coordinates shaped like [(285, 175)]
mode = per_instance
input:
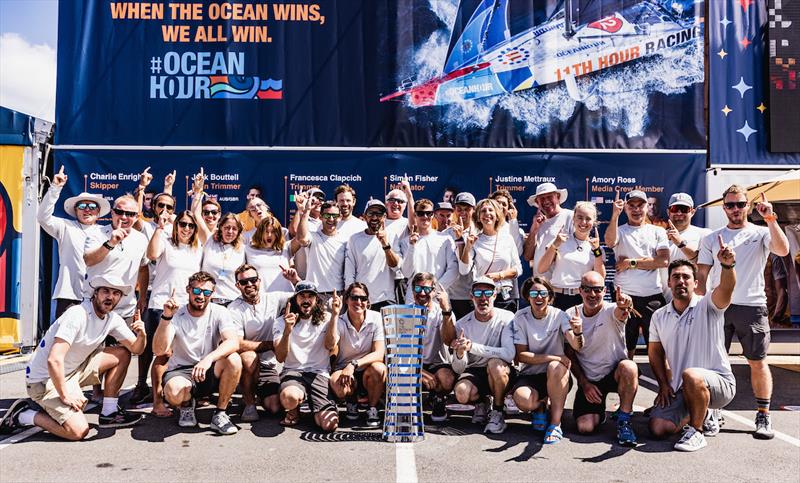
[(506, 46)]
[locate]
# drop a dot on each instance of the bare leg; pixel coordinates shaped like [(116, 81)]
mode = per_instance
[(498, 372), (230, 370), (466, 392), (557, 389), (250, 367), (627, 376), (74, 429), (375, 382), (114, 365), (761, 378), (697, 397), (526, 398), (157, 377)]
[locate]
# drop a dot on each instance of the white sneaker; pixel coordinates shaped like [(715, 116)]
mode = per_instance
[(222, 424), (711, 424), (250, 413), (510, 406), (479, 415), (186, 417), (763, 426), (692, 440), (497, 422)]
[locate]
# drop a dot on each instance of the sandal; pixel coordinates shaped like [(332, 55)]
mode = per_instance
[(554, 434), (291, 418), (539, 420)]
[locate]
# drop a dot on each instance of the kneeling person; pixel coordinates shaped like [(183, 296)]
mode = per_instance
[(203, 339), (72, 355), (358, 336), (688, 337)]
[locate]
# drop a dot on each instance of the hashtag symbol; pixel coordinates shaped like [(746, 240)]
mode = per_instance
[(155, 65)]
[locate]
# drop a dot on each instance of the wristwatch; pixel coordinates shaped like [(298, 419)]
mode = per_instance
[(632, 261), (354, 363), (682, 244), (108, 246)]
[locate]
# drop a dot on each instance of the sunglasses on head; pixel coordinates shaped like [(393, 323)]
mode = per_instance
[(210, 212), (187, 224), (164, 205), (330, 216), (359, 298), (679, 209), (734, 204), (198, 291), (248, 281), (422, 289), (129, 214), (539, 293), (424, 214), (588, 289), (483, 293), (86, 206)]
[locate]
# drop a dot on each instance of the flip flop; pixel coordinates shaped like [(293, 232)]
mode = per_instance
[(539, 421), (291, 418), (553, 435)]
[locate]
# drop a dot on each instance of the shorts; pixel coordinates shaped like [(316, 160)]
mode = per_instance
[(461, 308), (315, 387), (722, 393), (751, 326), (565, 302), (537, 382), (433, 368), (207, 387), (643, 322), (606, 385), (45, 395), (269, 382), (479, 377)]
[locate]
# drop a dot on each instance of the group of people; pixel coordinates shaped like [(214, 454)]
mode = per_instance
[(289, 317)]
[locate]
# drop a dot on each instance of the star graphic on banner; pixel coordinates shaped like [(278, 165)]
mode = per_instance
[(722, 54), (745, 3), (761, 107), (745, 42), (742, 87), (746, 131), (725, 22), (726, 110)]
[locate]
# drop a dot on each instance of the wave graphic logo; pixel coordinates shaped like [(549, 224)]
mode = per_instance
[(242, 87)]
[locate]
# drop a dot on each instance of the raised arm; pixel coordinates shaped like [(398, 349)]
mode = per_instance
[(611, 231), (778, 243), (721, 296), (332, 334), (52, 225)]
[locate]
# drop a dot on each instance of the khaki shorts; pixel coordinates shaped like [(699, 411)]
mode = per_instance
[(45, 395)]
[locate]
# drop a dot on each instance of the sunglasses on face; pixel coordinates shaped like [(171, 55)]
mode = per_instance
[(164, 205), (539, 293), (482, 293), (374, 214), (248, 281), (210, 212), (198, 291), (424, 214), (679, 209), (330, 216), (422, 289), (395, 200), (129, 214), (86, 206), (729, 205), (588, 289), (359, 298), (187, 224)]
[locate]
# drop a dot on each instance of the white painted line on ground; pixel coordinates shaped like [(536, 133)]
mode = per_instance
[(405, 463), (747, 422)]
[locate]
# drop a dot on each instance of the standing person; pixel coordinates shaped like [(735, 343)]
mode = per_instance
[(483, 345), (258, 211), (396, 203), (177, 257), (640, 249), (437, 372), (299, 341), (203, 340), (314, 215), (71, 237), (118, 249), (72, 355), (345, 197), (398, 228), (549, 220), (601, 366), (569, 256), (357, 337), (449, 195), (146, 198), (687, 336), (255, 313), (370, 257), (204, 208), (271, 254), (540, 332), (747, 315), (459, 292), (248, 223), (509, 213), (325, 249), (442, 215), (427, 250), (223, 253), (684, 238), (492, 253)]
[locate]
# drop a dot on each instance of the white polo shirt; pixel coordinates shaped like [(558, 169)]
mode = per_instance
[(355, 344), (603, 341), (641, 241), (540, 336)]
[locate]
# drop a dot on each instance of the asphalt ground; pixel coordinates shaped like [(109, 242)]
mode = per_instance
[(158, 450)]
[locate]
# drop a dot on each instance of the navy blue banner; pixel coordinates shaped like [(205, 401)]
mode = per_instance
[(382, 73), (739, 107)]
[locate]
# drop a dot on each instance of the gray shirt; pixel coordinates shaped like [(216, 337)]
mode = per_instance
[(433, 349), (490, 340), (604, 341), (540, 336), (695, 338)]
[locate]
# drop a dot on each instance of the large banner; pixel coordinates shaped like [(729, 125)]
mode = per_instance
[(279, 174), (739, 108), (382, 73)]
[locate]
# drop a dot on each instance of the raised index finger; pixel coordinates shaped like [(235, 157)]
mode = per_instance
[(172, 295), (721, 243), (146, 170), (61, 171), (616, 198), (287, 312), (671, 225), (763, 197)]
